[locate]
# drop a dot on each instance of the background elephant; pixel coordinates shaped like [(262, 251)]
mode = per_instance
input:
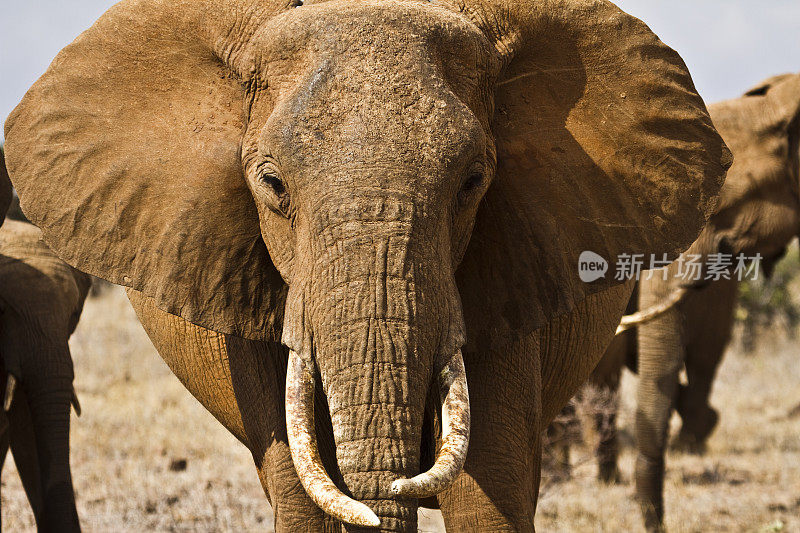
[(6, 191), (41, 299), (289, 193), (758, 212)]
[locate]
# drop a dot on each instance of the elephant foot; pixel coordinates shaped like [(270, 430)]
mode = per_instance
[(607, 453), (686, 442), (695, 432), (609, 474), (650, 492)]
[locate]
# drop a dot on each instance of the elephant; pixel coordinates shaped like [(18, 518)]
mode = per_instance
[(352, 229), (6, 191), (758, 213), (41, 299)]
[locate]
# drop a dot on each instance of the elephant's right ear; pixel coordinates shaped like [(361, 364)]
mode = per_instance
[(606, 156), (5, 189), (126, 153)]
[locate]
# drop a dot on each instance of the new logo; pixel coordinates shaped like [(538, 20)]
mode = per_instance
[(591, 266)]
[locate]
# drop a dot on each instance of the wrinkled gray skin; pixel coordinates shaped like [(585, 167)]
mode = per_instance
[(41, 298), (759, 213)]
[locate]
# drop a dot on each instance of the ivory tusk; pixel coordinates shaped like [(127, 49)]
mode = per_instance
[(455, 436), (630, 321), (300, 384), (11, 386)]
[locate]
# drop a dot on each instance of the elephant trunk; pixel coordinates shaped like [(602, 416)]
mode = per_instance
[(380, 333), (39, 357), (661, 355), (50, 416)]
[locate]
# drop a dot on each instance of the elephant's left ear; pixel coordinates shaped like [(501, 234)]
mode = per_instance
[(764, 86), (5, 188), (603, 146)]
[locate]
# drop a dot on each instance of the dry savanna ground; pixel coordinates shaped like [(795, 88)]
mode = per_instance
[(146, 455)]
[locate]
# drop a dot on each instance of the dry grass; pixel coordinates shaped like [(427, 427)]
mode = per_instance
[(138, 421), (749, 480)]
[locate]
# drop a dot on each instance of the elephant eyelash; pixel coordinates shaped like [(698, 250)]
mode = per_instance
[(473, 183), (278, 188), (275, 183)]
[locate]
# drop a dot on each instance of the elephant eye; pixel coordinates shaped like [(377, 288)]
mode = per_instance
[(473, 183), (274, 182), (277, 187), (297, 3)]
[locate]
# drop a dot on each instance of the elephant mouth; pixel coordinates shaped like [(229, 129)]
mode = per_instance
[(300, 384)]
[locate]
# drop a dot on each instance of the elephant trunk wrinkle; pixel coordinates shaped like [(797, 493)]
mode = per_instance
[(376, 391), (375, 317)]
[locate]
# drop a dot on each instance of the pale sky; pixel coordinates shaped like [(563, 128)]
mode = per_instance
[(729, 45)]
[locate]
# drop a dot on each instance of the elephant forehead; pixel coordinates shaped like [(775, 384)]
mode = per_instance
[(373, 62), (382, 120), (344, 27)]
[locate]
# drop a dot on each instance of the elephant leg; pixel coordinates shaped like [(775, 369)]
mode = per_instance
[(556, 451), (605, 422), (242, 383), (698, 417), (605, 402), (293, 509), (50, 417), (704, 351), (40, 412), (498, 488), (661, 356), (22, 441)]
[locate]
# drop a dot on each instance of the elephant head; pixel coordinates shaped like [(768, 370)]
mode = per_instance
[(312, 173), (759, 206)]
